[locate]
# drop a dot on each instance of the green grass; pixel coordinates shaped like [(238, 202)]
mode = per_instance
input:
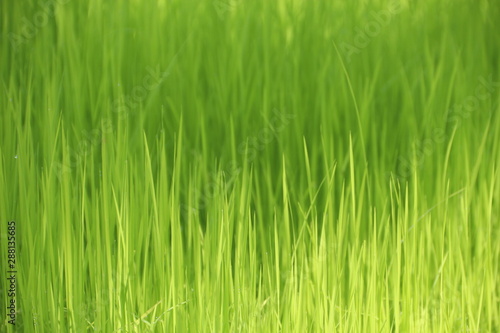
[(251, 166)]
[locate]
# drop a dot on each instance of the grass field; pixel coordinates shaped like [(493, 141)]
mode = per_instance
[(249, 166)]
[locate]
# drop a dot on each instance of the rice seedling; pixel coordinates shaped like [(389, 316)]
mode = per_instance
[(249, 166)]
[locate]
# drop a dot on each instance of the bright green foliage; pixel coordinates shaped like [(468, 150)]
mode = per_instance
[(251, 165)]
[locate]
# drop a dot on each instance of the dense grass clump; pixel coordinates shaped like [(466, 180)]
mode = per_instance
[(251, 166)]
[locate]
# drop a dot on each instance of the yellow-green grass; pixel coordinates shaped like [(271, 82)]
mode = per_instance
[(251, 166)]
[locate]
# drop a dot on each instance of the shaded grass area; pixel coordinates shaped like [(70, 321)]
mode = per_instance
[(251, 166)]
